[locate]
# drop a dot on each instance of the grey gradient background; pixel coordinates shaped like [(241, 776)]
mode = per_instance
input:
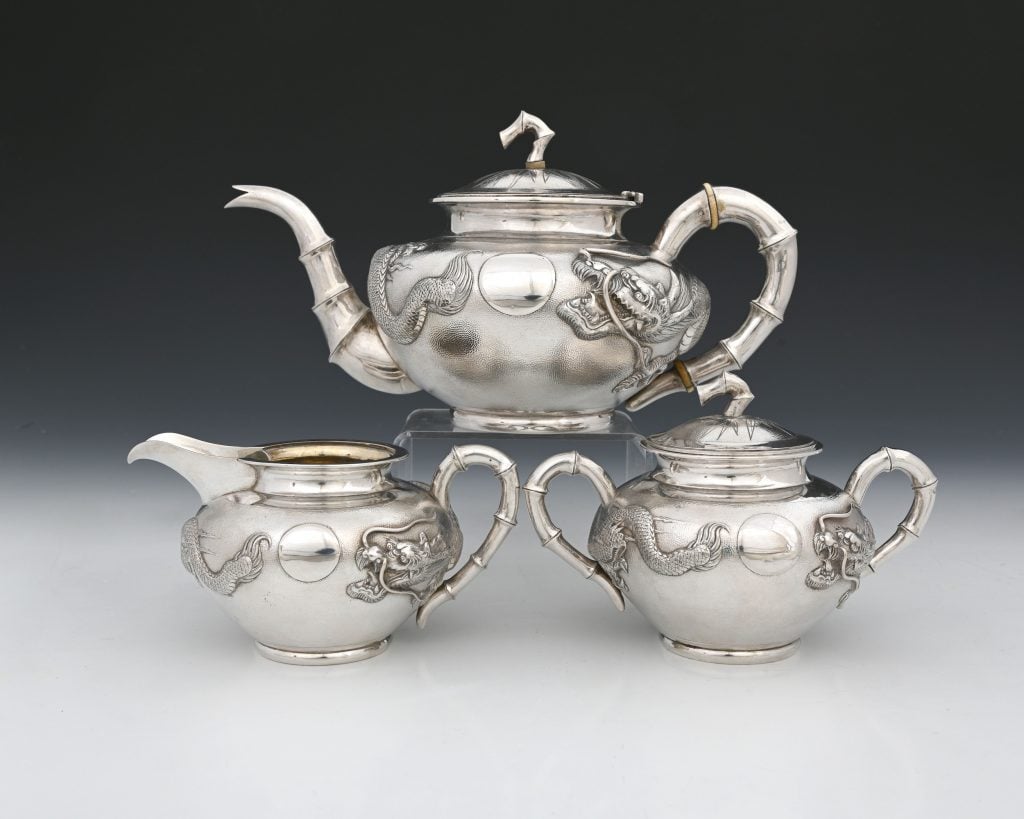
[(132, 304)]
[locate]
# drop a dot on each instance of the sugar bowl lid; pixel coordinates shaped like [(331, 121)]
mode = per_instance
[(536, 183), (731, 451)]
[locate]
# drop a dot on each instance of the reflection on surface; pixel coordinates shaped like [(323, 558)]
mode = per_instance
[(309, 552), (517, 283), (768, 544)]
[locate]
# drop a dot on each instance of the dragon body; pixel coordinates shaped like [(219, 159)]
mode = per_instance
[(621, 526), (242, 567), (445, 294)]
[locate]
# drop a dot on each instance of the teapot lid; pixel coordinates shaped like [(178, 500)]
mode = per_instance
[(731, 451), (536, 183)]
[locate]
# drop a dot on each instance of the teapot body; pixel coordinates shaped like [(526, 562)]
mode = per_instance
[(321, 580), (534, 313), (744, 577), (563, 327)]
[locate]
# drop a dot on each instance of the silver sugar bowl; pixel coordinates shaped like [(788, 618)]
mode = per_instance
[(534, 312), (729, 547), (315, 549)]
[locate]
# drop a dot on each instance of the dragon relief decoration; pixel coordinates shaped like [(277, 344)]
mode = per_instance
[(242, 567), (844, 552), (618, 528), (411, 560), (445, 294), (621, 302)]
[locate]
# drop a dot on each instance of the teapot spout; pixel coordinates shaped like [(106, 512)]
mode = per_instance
[(351, 331), (213, 470)]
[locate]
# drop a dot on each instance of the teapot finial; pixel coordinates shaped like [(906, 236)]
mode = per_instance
[(542, 136), (726, 384)]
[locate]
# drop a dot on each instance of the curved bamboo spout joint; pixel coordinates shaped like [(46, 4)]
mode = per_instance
[(351, 330)]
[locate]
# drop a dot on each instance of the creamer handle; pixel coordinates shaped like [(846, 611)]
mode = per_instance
[(504, 469), (923, 481), (570, 463), (776, 242)]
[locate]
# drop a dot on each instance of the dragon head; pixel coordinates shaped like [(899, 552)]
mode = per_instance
[(408, 565), (644, 304), (634, 304)]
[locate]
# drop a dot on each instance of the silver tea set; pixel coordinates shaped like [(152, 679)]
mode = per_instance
[(535, 315)]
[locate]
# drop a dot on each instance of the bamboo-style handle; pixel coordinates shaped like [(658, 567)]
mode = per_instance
[(570, 463), (504, 469), (924, 484), (776, 242)]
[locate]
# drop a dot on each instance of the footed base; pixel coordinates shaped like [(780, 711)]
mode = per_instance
[(539, 422), (731, 656), (349, 655)]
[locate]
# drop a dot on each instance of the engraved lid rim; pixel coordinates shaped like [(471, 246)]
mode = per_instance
[(731, 436), (538, 186)]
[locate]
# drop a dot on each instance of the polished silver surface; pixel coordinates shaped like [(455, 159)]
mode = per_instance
[(570, 463), (517, 284), (534, 309), (460, 459), (526, 123), (352, 655), (728, 657), (729, 548), (309, 552), (776, 242), (923, 482), (352, 339), (731, 452), (316, 550)]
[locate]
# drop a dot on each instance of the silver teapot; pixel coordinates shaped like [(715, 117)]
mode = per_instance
[(729, 547), (315, 549), (534, 313)]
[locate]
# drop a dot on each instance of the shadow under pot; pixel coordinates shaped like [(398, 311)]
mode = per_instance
[(729, 547), (315, 549)]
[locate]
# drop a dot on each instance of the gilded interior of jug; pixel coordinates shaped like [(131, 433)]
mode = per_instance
[(327, 454)]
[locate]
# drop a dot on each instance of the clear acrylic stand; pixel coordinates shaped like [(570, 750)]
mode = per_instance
[(429, 434)]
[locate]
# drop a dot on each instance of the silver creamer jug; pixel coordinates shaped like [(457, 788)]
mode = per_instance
[(315, 549)]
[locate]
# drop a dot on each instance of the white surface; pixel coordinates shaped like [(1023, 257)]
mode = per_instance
[(125, 692)]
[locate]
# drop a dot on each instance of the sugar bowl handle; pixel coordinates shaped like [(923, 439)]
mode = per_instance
[(923, 481), (776, 242), (504, 469), (570, 463)]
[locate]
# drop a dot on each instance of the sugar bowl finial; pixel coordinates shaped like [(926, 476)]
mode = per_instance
[(726, 384)]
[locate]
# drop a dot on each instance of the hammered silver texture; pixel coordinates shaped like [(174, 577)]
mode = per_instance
[(736, 553), (316, 550), (534, 311)]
